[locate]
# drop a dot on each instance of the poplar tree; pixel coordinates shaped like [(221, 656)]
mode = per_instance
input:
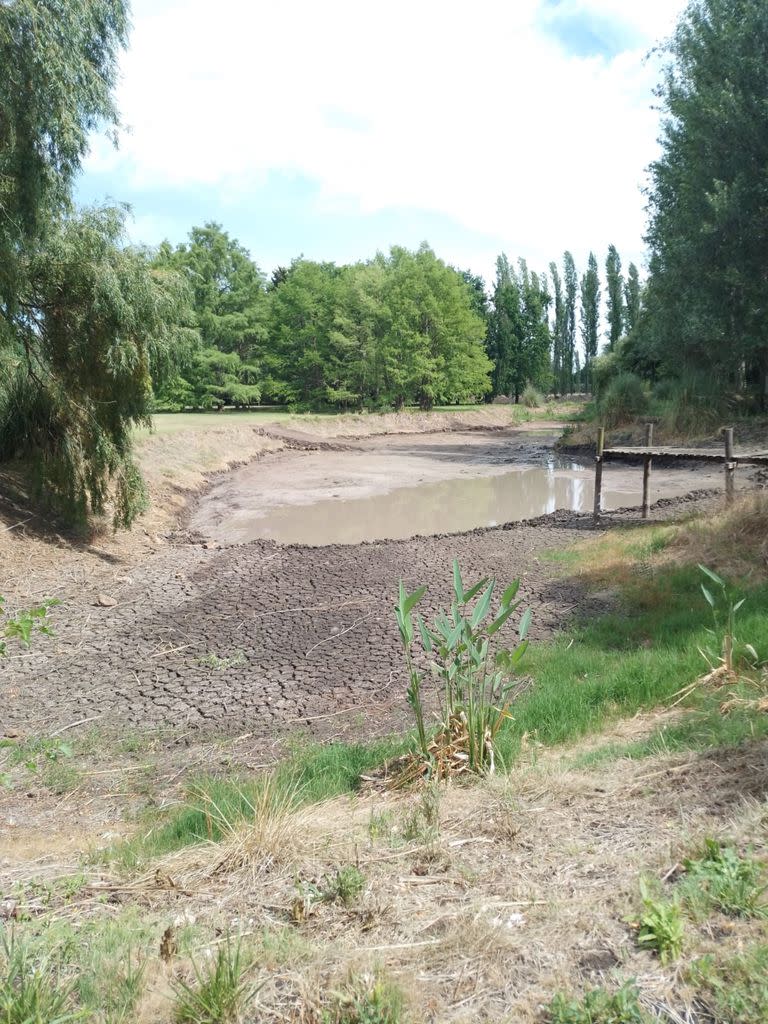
[(571, 284), (708, 235), (631, 299), (558, 327), (590, 314), (614, 295)]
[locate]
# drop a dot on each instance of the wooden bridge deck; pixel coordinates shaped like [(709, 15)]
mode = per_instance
[(757, 457)]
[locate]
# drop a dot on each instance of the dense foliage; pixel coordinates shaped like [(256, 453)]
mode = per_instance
[(399, 329), (706, 305), (84, 321)]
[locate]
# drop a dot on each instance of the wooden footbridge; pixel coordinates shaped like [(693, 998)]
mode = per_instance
[(727, 456)]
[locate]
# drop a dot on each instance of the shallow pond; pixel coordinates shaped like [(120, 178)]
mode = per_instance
[(428, 484)]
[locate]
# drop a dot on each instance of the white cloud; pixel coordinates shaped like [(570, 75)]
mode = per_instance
[(470, 111)]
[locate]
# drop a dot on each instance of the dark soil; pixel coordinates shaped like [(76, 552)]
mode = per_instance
[(265, 639)]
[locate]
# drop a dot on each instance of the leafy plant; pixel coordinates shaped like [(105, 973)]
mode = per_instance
[(598, 1007), (722, 880), (24, 624), (660, 928), (219, 991), (476, 684), (345, 886), (725, 607), (31, 991), (365, 999)]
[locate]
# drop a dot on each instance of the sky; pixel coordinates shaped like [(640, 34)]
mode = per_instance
[(337, 128)]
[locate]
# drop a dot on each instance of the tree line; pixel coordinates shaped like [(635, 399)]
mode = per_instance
[(401, 329)]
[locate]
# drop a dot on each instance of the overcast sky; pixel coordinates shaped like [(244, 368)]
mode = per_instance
[(334, 128)]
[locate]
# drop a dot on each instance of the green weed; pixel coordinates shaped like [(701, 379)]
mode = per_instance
[(24, 624), (345, 886), (660, 927), (736, 990), (219, 992), (365, 999), (720, 879), (422, 820), (725, 605), (598, 1007), (31, 989), (381, 825)]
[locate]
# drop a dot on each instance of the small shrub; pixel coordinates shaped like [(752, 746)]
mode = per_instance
[(219, 992), (31, 991), (532, 398), (598, 1007), (476, 683), (365, 999), (623, 400), (604, 369), (660, 928), (344, 886), (722, 880)]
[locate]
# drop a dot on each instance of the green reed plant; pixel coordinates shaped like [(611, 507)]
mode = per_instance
[(476, 681), (725, 605)]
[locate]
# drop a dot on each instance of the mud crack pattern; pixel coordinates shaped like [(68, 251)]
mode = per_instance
[(263, 639)]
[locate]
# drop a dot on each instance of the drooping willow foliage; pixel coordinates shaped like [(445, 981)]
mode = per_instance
[(84, 320)]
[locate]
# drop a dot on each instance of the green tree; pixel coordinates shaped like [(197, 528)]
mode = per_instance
[(59, 64), (631, 299), (304, 364), (519, 329), (228, 289), (558, 328), (590, 314), (614, 295), (571, 286), (83, 318), (95, 324), (707, 296), (433, 345)]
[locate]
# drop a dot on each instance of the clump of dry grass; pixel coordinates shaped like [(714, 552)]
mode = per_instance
[(734, 541)]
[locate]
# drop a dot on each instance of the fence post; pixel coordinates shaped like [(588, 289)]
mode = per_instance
[(647, 471), (599, 475), (730, 465)]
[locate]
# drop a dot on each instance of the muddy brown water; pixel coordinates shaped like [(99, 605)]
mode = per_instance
[(400, 487)]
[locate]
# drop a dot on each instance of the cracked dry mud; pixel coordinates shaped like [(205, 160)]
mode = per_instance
[(260, 638)]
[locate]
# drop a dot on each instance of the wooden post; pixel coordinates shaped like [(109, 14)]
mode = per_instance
[(647, 471), (730, 464), (599, 475)]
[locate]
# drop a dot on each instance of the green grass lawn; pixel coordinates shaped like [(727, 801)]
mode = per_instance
[(173, 422)]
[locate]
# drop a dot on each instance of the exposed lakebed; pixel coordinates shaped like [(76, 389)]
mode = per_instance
[(395, 487)]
